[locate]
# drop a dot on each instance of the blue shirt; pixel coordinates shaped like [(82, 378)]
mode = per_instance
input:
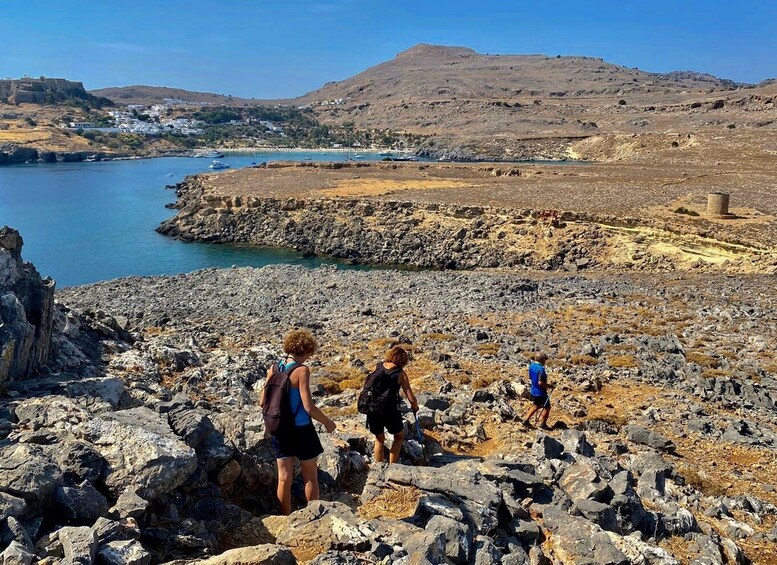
[(536, 376), (301, 416)]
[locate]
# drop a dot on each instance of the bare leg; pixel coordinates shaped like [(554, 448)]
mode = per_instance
[(544, 416), (380, 446), (532, 412), (310, 477), (396, 447), (285, 478)]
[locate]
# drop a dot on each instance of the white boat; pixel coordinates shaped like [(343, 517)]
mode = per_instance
[(217, 165), (210, 154)]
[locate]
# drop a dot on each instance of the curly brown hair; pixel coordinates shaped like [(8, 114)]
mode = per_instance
[(299, 342), (398, 356)]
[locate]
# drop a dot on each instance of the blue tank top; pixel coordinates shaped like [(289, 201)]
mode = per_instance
[(301, 416)]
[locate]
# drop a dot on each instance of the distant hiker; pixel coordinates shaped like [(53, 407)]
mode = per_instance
[(539, 391), (379, 400), (288, 410)]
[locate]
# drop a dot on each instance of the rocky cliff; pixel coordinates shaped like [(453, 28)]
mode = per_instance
[(26, 312), (452, 236)]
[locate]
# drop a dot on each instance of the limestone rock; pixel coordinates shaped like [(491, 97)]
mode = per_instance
[(141, 451), (128, 552), (27, 472), (26, 311), (322, 526), (81, 505), (643, 436), (16, 554), (79, 544)]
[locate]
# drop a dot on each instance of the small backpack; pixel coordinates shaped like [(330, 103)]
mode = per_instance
[(278, 417), (377, 394)]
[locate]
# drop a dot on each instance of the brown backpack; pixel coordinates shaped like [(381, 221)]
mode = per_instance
[(278, 417)]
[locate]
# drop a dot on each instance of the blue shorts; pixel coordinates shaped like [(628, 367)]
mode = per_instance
[(301, 442)]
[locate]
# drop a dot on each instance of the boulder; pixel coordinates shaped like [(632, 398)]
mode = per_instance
[(322, 526), (16, 554), (79, 505), (576, 443), (129, 552), (576, 540), (79, 544), (129, 505), (265, 554), (142, 452), (461, 482), (598, 513), (11, 506), (581, 481), (458, 538), (27, 472), (547, 447), (643, 436), (79, 461), (426, 548)]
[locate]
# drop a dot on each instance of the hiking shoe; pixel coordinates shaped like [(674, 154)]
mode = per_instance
[(526, 423), (545, 427)]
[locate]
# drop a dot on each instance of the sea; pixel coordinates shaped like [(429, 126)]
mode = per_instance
[(89, 222)]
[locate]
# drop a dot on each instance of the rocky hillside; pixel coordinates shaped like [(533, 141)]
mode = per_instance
[(503, 106), (148, 446)]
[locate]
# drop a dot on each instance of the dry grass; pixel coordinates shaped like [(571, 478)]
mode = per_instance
[(392, 503), (623, 362), (616, 420), (584, 360), (488, 348), (702, 359), (679, 548), (701, 481)]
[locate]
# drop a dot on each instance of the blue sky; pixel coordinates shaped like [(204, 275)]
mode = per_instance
[(268, 49)]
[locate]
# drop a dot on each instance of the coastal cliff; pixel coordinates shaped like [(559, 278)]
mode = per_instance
[(26, 311), (443, 235)]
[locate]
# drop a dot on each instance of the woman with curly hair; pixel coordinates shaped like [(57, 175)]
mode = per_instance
[(388, 417), (301, 441)]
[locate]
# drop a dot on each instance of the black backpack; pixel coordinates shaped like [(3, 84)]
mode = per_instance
[(278, 417), (378, 393)]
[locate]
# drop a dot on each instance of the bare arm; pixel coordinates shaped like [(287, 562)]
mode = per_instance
[(404, 381), (307, 400), (264, 388)]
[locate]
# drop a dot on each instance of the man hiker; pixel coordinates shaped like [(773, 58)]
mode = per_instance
[(380, 401), (539, 391)]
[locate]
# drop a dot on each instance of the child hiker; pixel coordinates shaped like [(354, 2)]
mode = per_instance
[(539, 391)]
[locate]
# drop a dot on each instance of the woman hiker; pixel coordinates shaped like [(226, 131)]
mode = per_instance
[(539, 391), (384, 414), (300, 440)]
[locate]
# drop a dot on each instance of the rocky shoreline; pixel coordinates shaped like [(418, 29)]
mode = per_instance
[(138, 439), (450, 236)]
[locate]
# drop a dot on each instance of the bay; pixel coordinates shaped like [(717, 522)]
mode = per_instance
[(88, 222)]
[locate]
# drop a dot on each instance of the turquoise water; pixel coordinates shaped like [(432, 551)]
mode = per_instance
[(88, 222)]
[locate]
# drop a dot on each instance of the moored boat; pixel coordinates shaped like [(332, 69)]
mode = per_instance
[(217, 165)]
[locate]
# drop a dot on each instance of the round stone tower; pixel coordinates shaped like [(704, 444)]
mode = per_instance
[(717, 203)]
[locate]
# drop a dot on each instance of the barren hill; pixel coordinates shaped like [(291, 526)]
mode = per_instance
[(532, 105), (147, 95)]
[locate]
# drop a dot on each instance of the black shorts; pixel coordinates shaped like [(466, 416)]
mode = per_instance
[(541, 401), (301, 442), (391, 421)]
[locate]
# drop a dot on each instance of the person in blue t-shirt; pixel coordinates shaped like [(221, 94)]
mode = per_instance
[(539, 391)]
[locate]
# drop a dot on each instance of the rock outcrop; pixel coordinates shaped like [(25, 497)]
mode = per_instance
[(26, 312)]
